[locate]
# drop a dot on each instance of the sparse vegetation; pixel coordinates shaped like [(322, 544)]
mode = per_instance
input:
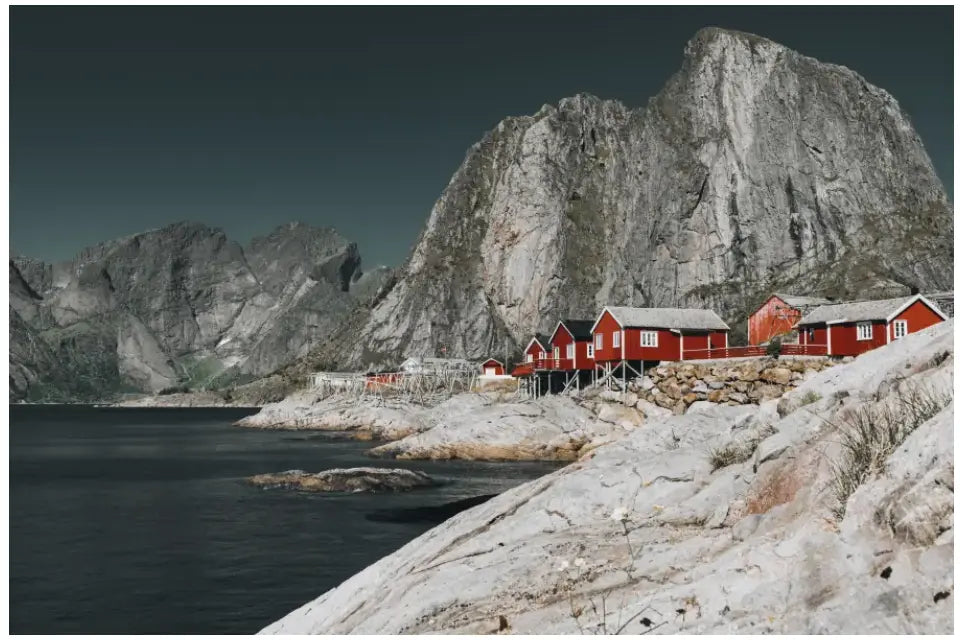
[(773, 348), (737, 452), (872, 433), (809, 398)]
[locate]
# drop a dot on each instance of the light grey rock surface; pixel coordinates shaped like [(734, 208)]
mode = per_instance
[(755, 169), (478, 427), (644, 528)]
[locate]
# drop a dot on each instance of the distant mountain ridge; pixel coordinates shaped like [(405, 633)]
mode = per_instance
[(178, 306), (755, 169)]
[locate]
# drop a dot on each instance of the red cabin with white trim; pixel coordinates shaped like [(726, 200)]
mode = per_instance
[(537, 348), (572, 345), (857, 327), (648, 333)]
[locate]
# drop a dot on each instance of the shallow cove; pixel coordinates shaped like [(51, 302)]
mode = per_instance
[(138, 520)]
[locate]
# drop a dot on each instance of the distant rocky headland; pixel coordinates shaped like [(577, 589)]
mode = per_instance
[(180, 309)]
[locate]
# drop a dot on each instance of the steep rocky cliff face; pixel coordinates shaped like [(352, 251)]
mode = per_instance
[(754, 169), (181, 305)]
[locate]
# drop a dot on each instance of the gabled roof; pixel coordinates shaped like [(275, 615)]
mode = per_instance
[(488, 360), (665, 318), (801, 301), (540, 339), (579, 329), (884, 310)]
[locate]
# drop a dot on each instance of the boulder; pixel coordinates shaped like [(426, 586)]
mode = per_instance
[(700, 406), (776, 375), (664, 400), (349, 480), (651, 411), (737, 397), (671, 388)]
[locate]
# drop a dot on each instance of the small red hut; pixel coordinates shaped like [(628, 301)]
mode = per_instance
[(654, 334), (853, 328), (778, 316), (492, 367)]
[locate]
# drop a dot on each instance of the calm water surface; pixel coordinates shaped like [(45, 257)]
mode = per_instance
[(137, 520)]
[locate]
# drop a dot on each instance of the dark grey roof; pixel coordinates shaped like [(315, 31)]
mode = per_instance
[(860, 311), (579, 328), (668, 318)]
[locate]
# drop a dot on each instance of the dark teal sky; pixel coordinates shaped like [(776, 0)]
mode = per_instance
[(128, 118)]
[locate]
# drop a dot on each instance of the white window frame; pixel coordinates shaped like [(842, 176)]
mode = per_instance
[(864, 331), (650, 339), (590, 350), (571, 352), (598, 342), (896, 326), (556, 353), (529, 357), (810, 335), (616, 339)]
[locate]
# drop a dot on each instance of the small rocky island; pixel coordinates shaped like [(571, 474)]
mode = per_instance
[(348, 480)]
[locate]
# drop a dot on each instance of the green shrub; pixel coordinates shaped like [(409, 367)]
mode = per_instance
[(773, 348)]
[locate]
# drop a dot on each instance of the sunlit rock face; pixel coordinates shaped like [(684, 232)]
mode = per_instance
[(178, 306), (755, 168)]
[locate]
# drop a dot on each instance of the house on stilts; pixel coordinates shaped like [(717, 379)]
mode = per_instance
[(628, 339)]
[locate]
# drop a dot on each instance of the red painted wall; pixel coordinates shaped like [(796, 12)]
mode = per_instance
[(534, 349), (606, 327), (843, 339), (561, 338), (668, 346), (583, 361), (918, 316), (774, 318), (718, 340), (695, 345), (819, 335)]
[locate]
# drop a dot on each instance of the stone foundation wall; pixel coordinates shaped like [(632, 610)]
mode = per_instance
[(676, 386)]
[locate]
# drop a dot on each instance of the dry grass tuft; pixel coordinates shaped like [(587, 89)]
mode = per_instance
[(872, 433)]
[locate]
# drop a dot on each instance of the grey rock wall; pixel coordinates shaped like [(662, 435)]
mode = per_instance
[(755, 168)]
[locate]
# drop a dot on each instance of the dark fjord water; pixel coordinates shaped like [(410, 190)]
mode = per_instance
[(137, 520)]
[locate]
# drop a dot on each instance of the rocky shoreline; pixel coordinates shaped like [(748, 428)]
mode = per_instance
[(725, 520)]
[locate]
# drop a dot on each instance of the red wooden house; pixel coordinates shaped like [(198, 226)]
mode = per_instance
[(778, 316), (536, 350), (572, 346), (492, 367), (624, 334), (853, 328)]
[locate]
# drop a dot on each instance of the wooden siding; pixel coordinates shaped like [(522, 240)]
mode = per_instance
[(843, 338), (774, 318), (606, 327), (918, 316)]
